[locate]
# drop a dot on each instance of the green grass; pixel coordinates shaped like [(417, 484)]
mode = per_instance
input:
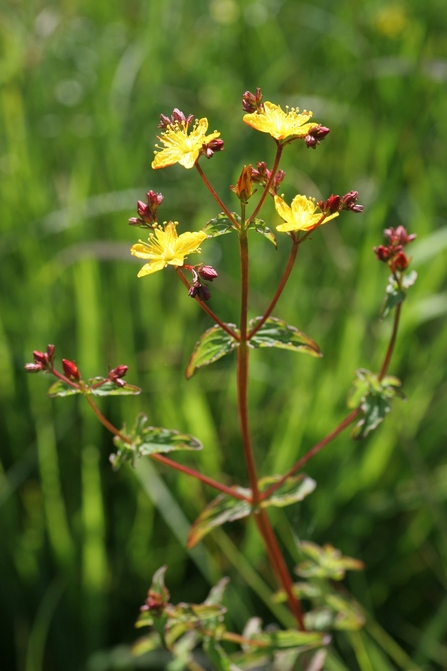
[(82, 85)]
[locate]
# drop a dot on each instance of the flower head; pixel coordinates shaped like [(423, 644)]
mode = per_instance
[(165, 247), (302, 215), (281, 125), (181, 147)]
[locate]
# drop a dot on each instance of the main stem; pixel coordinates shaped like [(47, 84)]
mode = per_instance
[(273, 550)]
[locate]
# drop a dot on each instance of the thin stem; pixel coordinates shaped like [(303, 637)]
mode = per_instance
[(65, 379), (389, 352), (261, 518), (312, 452), (279, 149), (164, 460), (279, 564), (279, 290), (216, 197), (205, 307)]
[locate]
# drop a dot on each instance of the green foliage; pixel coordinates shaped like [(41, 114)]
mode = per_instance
[(220, 225), (260, 227), (276, 333), (143, 440), (212, 346), (108, 388), (373, 397), (396, 292)]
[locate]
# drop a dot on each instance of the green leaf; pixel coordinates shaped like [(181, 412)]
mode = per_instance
[(348, 615), (220, 225), (292, 490), (325, 562), (222, 509), (260, 227), (60, 388), (146, 440), (372, 396), (211, 346), (290, 638), (276, 333), (374, 408), (109, 388)]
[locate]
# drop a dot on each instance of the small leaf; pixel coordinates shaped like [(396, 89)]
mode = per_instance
[(374, 407), (325, 562), (109, 388), (211, 346), (222, 509), (217, 592), (220, 225), (292, 490), (147, 440), (372, 396), (290, 638), (348, 615), (60, 388), (260, 227), (276, 333), (394, 295)]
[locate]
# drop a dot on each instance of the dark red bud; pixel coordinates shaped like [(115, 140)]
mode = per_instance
[(71, 370), (398, 236), (382, 253), (194, 289), (50, 353), (40, 357), (311, 141), (349, 200), (136, 221), (177, 117), (208, 149), (120, 371), (203, 292), (400, 262), (207, 273)]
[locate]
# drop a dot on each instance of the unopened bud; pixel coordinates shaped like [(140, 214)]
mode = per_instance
[(398, 236), (349, 200), (316, 135), (40, 357), (382, 253), (400, 262), (252, 102), (203, 292), (50, 354), (177, 117), (194, 289), (207, 273), (260, 174), (71, 370), (331, 205), (208, 149), (244, 187), (33, 367)]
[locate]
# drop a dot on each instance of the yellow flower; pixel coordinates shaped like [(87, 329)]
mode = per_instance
[(166, 247), (179, 147), (301, 215), (281, 125)]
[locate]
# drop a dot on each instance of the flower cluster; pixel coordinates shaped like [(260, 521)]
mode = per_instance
[(339, 203), (261, 174), (303, 214), (197, 288), (147, 211), (392, 254), (43, 361)]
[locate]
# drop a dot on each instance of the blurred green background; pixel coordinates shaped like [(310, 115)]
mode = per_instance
[(82, 86)]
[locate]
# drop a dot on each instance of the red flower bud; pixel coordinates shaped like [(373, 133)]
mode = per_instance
[(331, 205), (203, 292), (71, 370), (399, 262), (40, 357), (398, 237), (349, 200), (244, 187), (50, 354), (382, 253), (208, 149), (207, 273), (177, 117)]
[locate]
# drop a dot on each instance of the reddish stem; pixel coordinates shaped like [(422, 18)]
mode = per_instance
[(216, 197), (279, 290), (389, 352), (205, 307), (164, 460), (312, 452), (279, 149), (65, 379)]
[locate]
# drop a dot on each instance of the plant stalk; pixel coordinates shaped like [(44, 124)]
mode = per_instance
[(215, 196)]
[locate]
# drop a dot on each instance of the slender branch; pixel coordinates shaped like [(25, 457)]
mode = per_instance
[(216, 197), (164, 460), (279, 564), (64, 379), (279, 149), (389, 352), (263, 523), (205, 307), (279, 290), (312, 452)]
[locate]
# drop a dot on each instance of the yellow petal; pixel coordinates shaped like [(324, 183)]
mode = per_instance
[(151, 267)]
